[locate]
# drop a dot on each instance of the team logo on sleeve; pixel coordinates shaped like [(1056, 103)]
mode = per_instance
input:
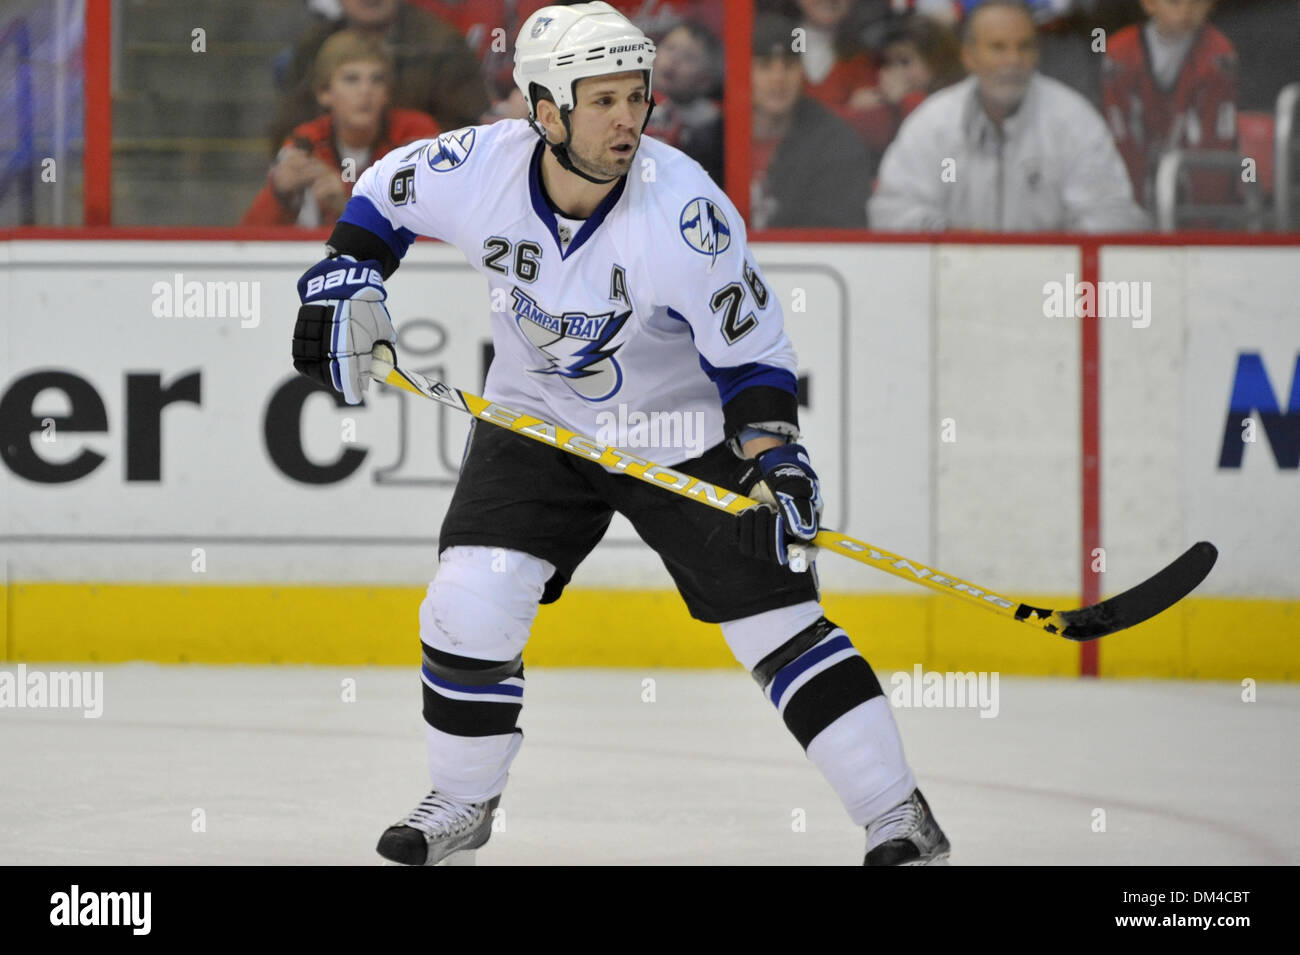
[(705, 228), (451, 149), (578, 347)]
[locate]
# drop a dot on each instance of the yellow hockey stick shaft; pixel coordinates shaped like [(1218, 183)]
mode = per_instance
[(710, 495)]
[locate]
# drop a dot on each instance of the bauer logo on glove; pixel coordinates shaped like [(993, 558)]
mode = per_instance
[(351, 278), (341, 319)]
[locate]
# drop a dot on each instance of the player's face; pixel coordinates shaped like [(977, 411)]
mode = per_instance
[(606, 123), (1177, 18), (1002, 52)]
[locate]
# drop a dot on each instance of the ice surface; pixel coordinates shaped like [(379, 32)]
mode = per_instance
[(287, 772)]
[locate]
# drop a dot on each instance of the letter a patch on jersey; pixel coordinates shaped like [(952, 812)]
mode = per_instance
[(618, 286), (577, 346)]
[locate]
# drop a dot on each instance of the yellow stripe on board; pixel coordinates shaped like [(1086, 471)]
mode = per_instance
[(1207, 637)]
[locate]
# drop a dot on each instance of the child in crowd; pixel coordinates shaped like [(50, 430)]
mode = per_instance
[(312, 178), (921, 55), (1171, 83)]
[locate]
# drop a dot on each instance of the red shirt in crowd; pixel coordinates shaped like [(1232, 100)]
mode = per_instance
[(845, 77), (876, 125), (1199, 111), (400, 126)]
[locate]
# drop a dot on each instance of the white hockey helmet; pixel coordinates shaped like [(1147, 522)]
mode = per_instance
[(557, 46)]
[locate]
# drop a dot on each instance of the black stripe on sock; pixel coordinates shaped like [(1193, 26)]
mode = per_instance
[(469, 717), (828, 696)]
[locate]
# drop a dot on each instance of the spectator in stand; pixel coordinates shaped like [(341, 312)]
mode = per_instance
[(312, 178), (1171, 83), (836, 64), (809, 169), (435, 71), (843, 42), (921, 55), (1069, 41), (687, 83), (1006, 149)]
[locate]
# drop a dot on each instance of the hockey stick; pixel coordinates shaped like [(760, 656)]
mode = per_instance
[(1133, 606)]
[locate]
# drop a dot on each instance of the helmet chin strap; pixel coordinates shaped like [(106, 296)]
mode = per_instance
[(561, 150)]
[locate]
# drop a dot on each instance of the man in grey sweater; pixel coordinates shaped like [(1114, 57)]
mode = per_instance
[(1005, 150)]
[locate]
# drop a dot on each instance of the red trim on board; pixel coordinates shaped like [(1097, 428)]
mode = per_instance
[(1090, 456), (737, 40), (167, 234), (97, 164), (846, 236), (863, 236)]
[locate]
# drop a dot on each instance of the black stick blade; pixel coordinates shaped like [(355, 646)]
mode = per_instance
[(1152, 596)]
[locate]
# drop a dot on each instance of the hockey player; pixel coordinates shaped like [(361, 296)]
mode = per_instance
[(621, 275)]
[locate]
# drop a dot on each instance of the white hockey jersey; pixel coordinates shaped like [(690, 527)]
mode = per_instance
[(652, 308)]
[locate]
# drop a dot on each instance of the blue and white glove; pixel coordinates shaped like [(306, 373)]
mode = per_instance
[(781, 478), (341, 319)]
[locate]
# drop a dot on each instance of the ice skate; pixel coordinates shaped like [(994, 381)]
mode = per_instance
[(907, 835), (439, 830)]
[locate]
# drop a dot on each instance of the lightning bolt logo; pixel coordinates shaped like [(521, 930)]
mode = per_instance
[(451, 149), (585, 360), (705, 228), (579, 348)]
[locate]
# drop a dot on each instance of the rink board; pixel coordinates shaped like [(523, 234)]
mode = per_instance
[(616, 628), (228, 513)]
